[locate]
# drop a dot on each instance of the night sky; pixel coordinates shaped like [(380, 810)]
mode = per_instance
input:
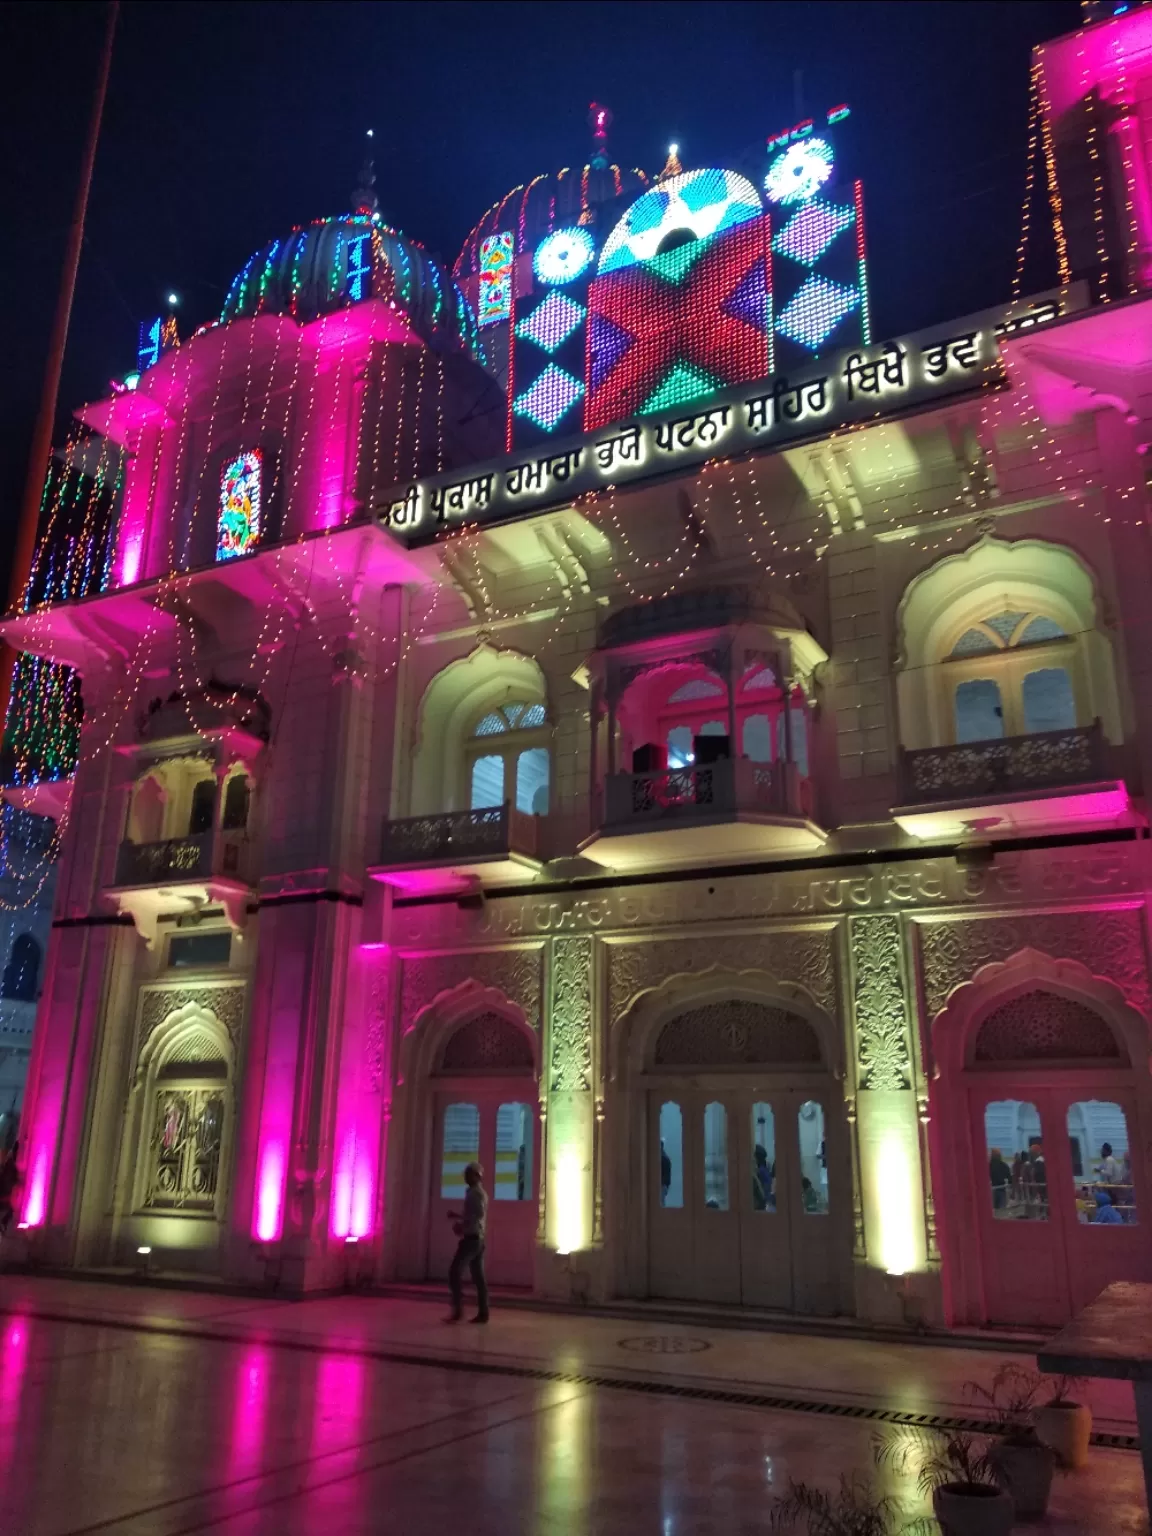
[(227, 123)]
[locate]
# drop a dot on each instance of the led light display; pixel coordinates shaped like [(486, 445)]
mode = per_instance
[(550, 324), (811, 230), (553, 394), (359, 267), (698, 203), (495, 300), (814, 312), (799, 172), (150, 344), (683, 382), (564, 255), (682, 323), (238, 521)]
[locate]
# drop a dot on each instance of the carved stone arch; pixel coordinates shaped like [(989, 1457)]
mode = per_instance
[(955, 1029), (423, 1043), (453, 700), (954, 592), (634, 1034), (189, 1027)]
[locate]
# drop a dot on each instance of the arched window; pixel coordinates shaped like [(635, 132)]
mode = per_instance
[(508, 759), (22, 973), (1011, 674), (237, 796), (688, 709), (203, 808), (1003, 640)]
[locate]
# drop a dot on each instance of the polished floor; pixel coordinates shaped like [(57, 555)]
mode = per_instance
[(136, 1411)]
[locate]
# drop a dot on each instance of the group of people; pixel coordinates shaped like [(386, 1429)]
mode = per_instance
[(1020, 1188)]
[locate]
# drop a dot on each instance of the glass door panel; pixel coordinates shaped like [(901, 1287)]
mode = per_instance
[(716, 1228), (672, 1181), (1096, 1187), (765, 1246), (1021, 1237)]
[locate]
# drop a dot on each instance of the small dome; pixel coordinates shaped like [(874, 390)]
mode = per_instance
[(327, 265), (570, 197)]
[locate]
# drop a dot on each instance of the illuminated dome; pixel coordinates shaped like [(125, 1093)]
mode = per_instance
[(571, 197), (327, 265)]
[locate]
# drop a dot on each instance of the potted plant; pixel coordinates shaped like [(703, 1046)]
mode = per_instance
[(855, 1509), (1023, 1464), (1064, 1424), (954, 1468)]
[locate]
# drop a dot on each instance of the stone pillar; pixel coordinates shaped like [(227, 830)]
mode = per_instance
[(891, 1185), (568, 1268)]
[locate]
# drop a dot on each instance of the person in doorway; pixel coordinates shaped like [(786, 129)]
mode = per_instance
[(470, 1226), (762, 1181), (809, 1195), (665, 1174), (9, 1181), (1037, 1174), (1001, 1176)]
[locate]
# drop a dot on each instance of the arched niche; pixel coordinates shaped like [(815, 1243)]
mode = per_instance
[(454, 701), (941, 604)]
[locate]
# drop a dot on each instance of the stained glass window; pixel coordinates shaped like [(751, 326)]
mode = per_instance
[(238, 523), (495, 301)]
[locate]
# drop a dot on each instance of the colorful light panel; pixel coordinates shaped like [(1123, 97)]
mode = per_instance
[(649, 335), (682, 383), (238, 522), (814, 312), (495, 300), (550, 324), (702, 203), (811, 230), (563, 255), (799, 172), (359, 267), (148, 350), (554, 393)]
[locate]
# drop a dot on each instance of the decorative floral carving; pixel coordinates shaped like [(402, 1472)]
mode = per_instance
[(224, 1000), (515, 972), (376, 1029), (1043, 1026), (737, 1033), (804, 956), (485, 1043), (880, 1003), (1108, 944), (570, 1068)]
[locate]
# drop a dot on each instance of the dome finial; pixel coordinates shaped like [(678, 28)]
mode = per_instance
[(672, 166), (364, 199), (599, 120)]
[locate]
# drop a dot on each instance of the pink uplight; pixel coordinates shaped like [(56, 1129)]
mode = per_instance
[(270, 1193), (352, 1190), (36, 1199)]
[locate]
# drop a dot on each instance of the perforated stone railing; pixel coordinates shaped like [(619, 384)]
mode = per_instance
[(458, 835), (714, 789), (1013, 765)]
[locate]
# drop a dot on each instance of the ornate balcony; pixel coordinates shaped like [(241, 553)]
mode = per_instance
[(459, 850), (180, 875), (1017, 784), (727, 811)]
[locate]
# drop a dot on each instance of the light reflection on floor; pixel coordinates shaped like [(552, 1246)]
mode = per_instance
[(284, 1427)]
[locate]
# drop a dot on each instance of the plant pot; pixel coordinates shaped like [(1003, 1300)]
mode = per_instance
[(973, 1509), (1066, 1428), (1026, 1472)]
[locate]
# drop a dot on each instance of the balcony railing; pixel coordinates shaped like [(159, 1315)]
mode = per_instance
[(1014, 765), (727, 788), (461, 836), (205, 856)]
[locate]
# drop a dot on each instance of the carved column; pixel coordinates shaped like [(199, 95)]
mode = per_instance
[(888, 1128), (570, 1157)]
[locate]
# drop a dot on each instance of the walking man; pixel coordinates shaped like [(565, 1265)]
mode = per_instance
[(469, 1226)]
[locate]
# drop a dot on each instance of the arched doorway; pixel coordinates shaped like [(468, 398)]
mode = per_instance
[(1042, 1154), (743, 1164), (484, 1106)]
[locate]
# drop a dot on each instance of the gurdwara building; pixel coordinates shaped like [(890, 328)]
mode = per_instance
[(603, 712)]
